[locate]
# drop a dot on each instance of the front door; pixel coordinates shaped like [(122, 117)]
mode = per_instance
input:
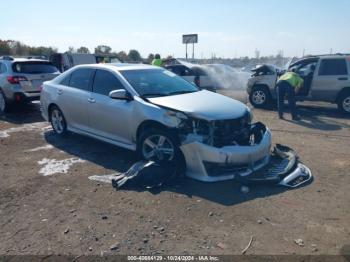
[(109, 118)]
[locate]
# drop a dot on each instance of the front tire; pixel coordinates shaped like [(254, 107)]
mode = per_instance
[(344, 102), (58, 122), (158, 146), (260, 97)]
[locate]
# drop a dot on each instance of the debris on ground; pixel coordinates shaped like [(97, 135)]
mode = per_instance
[(248, 246), (115, 246), (299, 242), (66, 231), (221, 245), (145, 174)]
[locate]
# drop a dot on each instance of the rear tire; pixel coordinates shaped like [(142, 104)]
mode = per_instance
[(260, 97), (58, 122), (344, 102), (4, 104)]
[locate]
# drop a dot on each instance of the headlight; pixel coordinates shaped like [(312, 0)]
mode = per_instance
[(175, 118)]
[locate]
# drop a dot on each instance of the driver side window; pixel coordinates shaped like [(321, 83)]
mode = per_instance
[(105, 82)]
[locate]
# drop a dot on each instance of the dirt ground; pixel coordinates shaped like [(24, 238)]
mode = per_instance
[(43, 212)]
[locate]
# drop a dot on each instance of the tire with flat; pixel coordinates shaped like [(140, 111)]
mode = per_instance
[(260, 97), (58, 121), (344, 102)]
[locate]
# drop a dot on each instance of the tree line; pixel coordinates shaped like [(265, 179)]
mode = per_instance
[(17, 48)]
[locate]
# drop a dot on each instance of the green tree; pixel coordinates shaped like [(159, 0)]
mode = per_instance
[(83, 50), (134, 56), (150, 58), (4, 48), (71, 49), (123, 56), (103, 49)]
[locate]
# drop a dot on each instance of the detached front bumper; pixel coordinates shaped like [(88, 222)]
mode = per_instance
[(211, 164)]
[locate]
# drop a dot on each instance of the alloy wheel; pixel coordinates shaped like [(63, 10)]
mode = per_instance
[(158, 148), (57, 121), (259, 97), (346, 104)]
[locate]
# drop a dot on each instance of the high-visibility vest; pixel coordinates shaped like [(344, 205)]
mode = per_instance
[(293, 79), (157, 62)]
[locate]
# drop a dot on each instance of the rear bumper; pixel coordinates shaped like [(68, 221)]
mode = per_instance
[(211, 164), (24, 97)]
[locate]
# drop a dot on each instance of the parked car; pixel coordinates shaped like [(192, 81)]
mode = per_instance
[(65, 61), (190, 73), (326, 78), (160, 115), (21, 79), (218, 78)]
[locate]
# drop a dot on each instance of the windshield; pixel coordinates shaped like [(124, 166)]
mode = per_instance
[(157, 82), (34, 68)]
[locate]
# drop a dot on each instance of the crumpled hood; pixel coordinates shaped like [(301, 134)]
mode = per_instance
[(204, 105)]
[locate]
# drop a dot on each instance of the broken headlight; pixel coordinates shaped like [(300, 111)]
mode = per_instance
[(175, 118)]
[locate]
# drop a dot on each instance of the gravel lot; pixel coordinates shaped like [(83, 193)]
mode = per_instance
[(45, 212)]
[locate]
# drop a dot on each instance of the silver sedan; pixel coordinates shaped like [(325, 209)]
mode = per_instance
[(160, 115)]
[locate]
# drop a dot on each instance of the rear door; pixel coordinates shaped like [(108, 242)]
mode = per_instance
[(74, 94), (331, 76), (109, 118), (35, 73)]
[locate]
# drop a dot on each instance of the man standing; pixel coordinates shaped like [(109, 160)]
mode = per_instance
[(157, 61), (288, 84)]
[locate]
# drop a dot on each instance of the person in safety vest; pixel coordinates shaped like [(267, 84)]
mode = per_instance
[(288, 85), (157, 61)]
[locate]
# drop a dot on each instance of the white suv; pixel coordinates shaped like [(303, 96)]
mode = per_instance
[(326, 78)]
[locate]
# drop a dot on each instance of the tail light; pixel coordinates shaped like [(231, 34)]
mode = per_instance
[(15, 79)]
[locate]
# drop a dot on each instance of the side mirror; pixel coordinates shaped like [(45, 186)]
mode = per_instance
[(120, 94)]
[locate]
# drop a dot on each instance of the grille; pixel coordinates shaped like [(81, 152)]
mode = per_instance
[(234, 131)]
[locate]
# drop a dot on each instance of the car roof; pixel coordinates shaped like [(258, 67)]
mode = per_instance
[(14, 60), (120, 66)]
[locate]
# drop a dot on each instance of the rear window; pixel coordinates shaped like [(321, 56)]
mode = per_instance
[(81, 79), (333, 67), (34, 68)]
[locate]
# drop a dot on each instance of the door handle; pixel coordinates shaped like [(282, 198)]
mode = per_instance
[(91, 100), (343, 78), (60, 91)]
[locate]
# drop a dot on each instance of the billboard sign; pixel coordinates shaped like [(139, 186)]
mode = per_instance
[(190, 39)]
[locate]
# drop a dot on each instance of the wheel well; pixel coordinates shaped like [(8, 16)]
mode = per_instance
[(343, 91), (148, 125), (50, 108)]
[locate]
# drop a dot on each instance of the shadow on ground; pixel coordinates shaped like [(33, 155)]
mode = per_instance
[(320, 117), (120, 160), (23, 114)]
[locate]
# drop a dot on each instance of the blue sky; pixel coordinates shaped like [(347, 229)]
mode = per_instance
[(226, 28)]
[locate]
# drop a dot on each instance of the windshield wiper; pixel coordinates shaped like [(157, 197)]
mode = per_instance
[(181, 92)]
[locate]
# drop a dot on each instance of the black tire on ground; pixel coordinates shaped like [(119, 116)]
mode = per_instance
[(58, 121), (344, 102), (260, 97), (4, 104)]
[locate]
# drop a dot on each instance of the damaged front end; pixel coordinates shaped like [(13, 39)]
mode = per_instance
[(236, 149), (222, 154)]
